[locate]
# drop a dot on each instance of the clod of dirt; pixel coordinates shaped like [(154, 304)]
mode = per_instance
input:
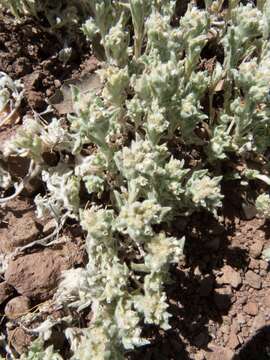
[(19, 226), (19, 339), (6, 291), (253, 280), (17, 307), (36, 275), (230, 276)]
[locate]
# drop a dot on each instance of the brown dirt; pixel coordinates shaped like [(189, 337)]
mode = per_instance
[(31, 54)]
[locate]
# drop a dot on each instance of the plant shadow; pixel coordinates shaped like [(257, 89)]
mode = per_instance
[(196, 300)]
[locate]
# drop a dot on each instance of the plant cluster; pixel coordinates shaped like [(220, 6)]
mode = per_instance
[(118, 173)]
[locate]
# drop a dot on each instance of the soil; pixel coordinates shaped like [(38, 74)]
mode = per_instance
[(220, 295), (31, 54)]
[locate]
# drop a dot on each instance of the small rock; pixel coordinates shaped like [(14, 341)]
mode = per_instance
[(233, 341), (256, 249), (220, 353), (36, 275), (19, 339), (253, 280), (5, 291), (230, 276), (17, 307), (222, 297), (258, 322), (251, 308)]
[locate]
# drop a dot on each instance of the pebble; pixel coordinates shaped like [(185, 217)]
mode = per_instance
[(230, 276), (256, 249), (17, 307), (253, 280), (251, 308)]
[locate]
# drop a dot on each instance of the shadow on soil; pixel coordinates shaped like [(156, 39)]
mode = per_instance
[(196, 300)]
